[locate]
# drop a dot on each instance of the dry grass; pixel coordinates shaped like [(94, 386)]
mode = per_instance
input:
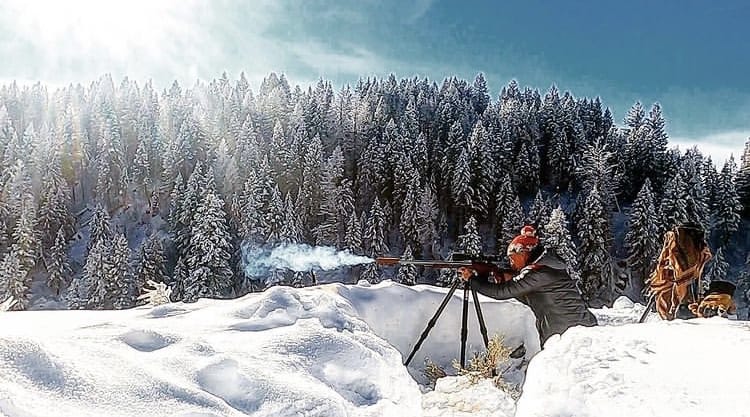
[(432, 371), (482, 366)]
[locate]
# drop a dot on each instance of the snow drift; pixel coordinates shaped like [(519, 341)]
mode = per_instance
[(336, 350)]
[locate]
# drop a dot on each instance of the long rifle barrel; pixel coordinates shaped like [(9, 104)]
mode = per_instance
[(423, 262)]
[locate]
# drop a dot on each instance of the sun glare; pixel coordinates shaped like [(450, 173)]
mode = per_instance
[(113, 26)]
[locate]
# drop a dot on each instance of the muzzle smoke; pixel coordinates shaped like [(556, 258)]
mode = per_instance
[(296, 257)]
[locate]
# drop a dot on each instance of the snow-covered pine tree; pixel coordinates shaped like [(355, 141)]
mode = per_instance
[(526, 171), (717, 269), (186, 207), (58, 267), (330, 215), (375, 229), (410, 222), (407, 274), (483, 168), (557, 239), (94, 276), (673, 204), (15, 280), (597, 278), (99, 227), (657, 141), (470, 242), (152, 266), (210, 250), (54, 209), (353, 236), (598, 168), (539, 213), (462, 191), (427, 215), (291, 231), (743, 179), (120, 281), (503, 200), (26, 242), (371, 273), (512, 222), (642, 239), (140, 171), (275, 216), (727, 206)]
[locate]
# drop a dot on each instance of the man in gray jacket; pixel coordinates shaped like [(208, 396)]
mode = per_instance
[(542, 283)]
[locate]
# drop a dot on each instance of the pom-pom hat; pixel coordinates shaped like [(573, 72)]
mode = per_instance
[(524, 242)]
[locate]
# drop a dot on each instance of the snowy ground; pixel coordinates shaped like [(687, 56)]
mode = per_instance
[(336, 350)]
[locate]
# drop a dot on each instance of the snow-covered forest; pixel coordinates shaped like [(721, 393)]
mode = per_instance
[(110, 185)]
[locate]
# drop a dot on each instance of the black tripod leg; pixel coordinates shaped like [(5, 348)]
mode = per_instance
[(482, 326), (480, 316), (464, 331), (651, 301), (432, 321)]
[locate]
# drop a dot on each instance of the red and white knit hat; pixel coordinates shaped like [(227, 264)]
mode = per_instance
[(524, 242)]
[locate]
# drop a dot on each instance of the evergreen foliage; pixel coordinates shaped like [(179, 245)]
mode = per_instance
[(382, 165)]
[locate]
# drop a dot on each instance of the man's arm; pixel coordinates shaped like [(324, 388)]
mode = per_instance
[(511, 289)]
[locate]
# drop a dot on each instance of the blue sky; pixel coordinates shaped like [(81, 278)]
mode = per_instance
[(691, 56)]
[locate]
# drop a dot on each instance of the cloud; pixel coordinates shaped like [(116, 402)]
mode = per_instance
[(719, 145)]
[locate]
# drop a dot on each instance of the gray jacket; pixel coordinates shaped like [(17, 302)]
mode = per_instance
[(548, 290)]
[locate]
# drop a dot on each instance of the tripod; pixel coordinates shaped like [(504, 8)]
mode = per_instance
[(464, 333)]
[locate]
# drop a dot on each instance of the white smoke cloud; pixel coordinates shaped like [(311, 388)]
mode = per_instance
[(296, 257)]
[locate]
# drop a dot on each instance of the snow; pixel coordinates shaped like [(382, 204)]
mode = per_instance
[(337, 350)]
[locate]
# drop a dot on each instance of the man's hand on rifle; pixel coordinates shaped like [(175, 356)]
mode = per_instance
[(466, 273)]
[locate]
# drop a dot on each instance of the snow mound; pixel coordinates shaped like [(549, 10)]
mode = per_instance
[(284, 352), (678, 368), (457, 397)]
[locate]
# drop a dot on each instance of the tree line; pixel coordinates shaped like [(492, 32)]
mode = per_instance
[(107, 186)]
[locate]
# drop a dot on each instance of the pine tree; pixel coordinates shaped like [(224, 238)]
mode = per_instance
[(410, 223), (58, 267), (15, 280), (427, 215), (120, 281), (743, 179), (353, 236), (539, 212), (95, 279), (717, 269), (371, 273), (674, 204), (557, 239), (291, 230), (526, 171), (54, 211), (27, 243), (331, 213), (461, 184), (152, 263), (642, 238), (210, 251), (727, 206), (595, 237), (407, 274), (512, 222), (99, 227), (470, 243), (375, 229)]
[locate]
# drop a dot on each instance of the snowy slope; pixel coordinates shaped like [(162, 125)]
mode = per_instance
[(680, 368), (336, 350)]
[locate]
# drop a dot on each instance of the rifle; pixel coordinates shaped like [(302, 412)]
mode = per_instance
[(484, 266)]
